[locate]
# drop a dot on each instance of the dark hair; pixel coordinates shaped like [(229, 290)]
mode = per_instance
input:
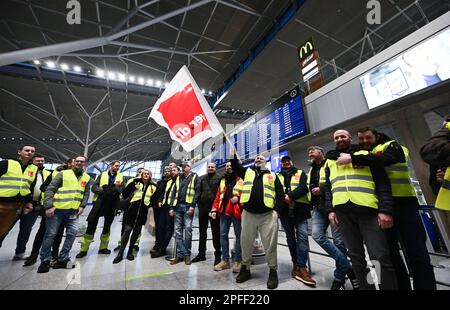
[(447, 118), (70, 160), (37, 155), (113, 162), (140, 168), (21, 147), (368, 128), (85, 158)]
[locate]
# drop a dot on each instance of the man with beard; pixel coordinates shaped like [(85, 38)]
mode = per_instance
[(262, 194), (386, 152), (208, 189), (359, 200)]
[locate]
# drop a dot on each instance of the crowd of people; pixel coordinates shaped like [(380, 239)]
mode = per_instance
[(363, 192)]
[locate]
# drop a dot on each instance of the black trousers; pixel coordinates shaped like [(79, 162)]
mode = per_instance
[(203, 218), (165, 227), (127, 231), (408, 229), (158, 233), (92, 225), (39, 238), (362, 228)]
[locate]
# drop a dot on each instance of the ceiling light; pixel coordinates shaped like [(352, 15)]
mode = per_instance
[(111, 75), (64, 67), (100, 73), (141, 80), (166, 85), (131, 79), (203, 91), (121, 77), (50, 64), (77, 68), (150, 82), (36, 62), (210, 93), (158, 83)]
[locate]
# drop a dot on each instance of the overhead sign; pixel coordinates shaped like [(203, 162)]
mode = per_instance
[(305, 49)]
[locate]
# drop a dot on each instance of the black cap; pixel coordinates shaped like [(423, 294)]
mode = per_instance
[(285, 158)]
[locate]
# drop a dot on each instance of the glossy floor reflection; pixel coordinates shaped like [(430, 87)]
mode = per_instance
[(96, 272)]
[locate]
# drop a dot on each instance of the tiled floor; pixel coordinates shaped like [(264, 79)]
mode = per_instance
[(96, 272)]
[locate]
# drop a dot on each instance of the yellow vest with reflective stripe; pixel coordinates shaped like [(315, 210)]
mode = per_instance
[(398, 173), (190, 190), (70, 194), (104, 180), (322, 178), (353, 184), (15, 182), (173, 194), (443, 198), (137, 195), (237, 189), (295, 182), (268, 183)]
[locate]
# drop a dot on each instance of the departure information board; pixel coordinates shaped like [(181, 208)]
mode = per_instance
[(274, 126)]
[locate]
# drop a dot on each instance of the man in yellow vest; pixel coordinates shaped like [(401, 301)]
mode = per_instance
[(17, 176), (64, 200), (336, 248), (359, 200), (106, 188), (294, 217), (408, 226), (27, 220), (39, 237), (188, 187), (262, 194), (161, 215)]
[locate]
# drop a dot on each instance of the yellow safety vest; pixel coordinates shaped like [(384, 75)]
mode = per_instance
[(295, 182), (15, 182), (237, 189), (191, 190), (443, 198), (322, 178), (398, 173), (70, 194), (104, 180), (173, 194), (137, 195), (355, 184), (269, 187)]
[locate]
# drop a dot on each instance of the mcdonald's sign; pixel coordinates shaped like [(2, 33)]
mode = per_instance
[(305, 49)]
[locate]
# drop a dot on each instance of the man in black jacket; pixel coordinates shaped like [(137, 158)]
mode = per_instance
[(359, 200), (408, 226), (209, 184), (262, 195), (294, 217)]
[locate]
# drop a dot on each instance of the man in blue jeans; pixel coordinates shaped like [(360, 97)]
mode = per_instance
[(320, 223), (188, 194), (294, 217), (65, 199)]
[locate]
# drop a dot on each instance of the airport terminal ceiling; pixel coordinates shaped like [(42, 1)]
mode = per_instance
[(64, 112)]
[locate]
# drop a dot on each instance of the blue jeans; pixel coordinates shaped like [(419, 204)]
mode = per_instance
[(335, 249), (225, 224), (183, 224), (297, 240), (69, 219), (26, 225)]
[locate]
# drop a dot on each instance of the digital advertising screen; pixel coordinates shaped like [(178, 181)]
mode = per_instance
[(421, 66)]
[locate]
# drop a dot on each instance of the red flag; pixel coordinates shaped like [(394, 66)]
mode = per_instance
[(183, 110)]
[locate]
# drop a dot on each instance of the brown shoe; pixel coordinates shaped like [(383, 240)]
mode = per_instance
[(305, 277), (295, 272), (176, 260)]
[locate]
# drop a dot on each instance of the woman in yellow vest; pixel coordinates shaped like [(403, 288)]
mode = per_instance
[(141, 191)]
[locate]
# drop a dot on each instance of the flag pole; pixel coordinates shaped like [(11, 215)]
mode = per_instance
[(232, 148)]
